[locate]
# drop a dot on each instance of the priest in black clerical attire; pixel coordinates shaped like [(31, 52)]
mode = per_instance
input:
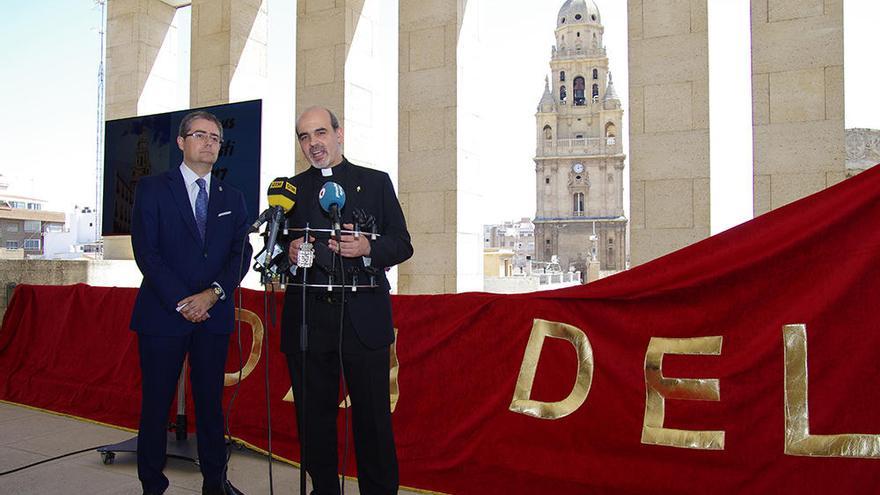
[(361, 318)]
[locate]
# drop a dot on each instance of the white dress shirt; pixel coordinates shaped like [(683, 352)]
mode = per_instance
[(192, 189)]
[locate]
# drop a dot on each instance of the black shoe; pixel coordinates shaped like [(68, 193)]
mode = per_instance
[(230, 489)]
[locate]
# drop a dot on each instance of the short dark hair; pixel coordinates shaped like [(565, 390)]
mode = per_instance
[(198, 114)]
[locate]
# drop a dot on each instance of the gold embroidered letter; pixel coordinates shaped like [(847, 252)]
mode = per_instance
[(522, 402), (798, 440), (253, 320), (660, 388)]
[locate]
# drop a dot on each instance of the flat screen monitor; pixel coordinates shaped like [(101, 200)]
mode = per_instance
[(141, 146)]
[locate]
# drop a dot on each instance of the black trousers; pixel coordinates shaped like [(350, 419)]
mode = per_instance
[(367, 377), (161, 360)]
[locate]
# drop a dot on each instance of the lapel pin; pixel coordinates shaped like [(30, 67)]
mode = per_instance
[(220, 188), (358, 189)]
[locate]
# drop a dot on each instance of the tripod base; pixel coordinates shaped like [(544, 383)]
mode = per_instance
[(186, 449)]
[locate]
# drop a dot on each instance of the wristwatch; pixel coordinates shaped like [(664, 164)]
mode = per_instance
[(218, 291)]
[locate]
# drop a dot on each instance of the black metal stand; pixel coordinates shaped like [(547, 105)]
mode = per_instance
[(303, 347), (179, 446)]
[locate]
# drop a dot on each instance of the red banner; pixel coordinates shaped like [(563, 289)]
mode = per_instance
[(746, 363)]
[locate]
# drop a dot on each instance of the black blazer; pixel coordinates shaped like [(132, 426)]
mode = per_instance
[(176, 263), (372, 191)]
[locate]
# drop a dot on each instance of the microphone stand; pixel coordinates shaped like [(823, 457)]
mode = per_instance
[(304, 347), (276, 219)]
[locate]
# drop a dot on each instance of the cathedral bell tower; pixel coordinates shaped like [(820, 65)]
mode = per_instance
[(579, 159)]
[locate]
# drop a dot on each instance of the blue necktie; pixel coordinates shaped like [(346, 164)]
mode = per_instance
[(201, 207)]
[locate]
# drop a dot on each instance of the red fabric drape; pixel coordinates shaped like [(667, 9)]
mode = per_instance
[(813, 262)]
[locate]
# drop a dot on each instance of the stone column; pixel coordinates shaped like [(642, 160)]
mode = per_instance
[(324, 32), (669, 125), (228, 51), (797, 88), (136, 31), (437, 163), (141, 72), (346, 54)]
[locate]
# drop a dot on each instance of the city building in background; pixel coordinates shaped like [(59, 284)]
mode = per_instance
[(579, 158), (517, 237), (509, 264), (77, 239), (24, 223)]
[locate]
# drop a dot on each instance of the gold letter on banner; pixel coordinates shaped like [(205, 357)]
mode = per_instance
[(798, 440), (660, 388), (393, 386), (256, 346), (522, 402)]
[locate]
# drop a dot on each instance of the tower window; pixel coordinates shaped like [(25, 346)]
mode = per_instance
[(548, 132), (593, 17), (595, 74), (577, 17), (562, 75), (546, 180), (563, 20), (579, 90), (562, 93), (578, 204), (578, 34), (610, 130), (595, 91)]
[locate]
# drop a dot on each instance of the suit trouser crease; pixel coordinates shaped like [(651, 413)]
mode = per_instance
[(161, 359)]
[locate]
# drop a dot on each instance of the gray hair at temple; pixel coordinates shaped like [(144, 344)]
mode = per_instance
[(198, 114)]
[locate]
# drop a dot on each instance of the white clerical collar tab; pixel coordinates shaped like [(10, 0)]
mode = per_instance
[(327, 172)]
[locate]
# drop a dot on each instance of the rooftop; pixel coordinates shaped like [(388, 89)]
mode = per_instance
[(30, 435)]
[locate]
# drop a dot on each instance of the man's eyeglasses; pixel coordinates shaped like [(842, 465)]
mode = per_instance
[(205, 137)]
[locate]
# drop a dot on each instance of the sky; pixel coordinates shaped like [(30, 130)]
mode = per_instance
[(48, 91)]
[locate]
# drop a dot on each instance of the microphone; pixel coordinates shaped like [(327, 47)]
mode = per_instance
[(282, 194), (282, 197), (332, 200)]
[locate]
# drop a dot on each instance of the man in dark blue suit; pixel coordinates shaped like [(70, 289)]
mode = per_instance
[(189, 235), (361, 319)]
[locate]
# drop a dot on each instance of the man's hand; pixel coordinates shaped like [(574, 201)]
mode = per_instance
[(293, 250), (195, 307), (349, 245)]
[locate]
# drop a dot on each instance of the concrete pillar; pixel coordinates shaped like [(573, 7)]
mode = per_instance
[(346, 54), (438, 164), (324, 31), (141, 76), (669, 125), (138, 79), (228, 51), (797, 86)]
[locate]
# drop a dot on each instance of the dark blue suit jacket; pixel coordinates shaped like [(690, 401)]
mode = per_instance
[(176, 263)]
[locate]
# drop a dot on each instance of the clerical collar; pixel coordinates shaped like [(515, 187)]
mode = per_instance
[(334, 170)]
